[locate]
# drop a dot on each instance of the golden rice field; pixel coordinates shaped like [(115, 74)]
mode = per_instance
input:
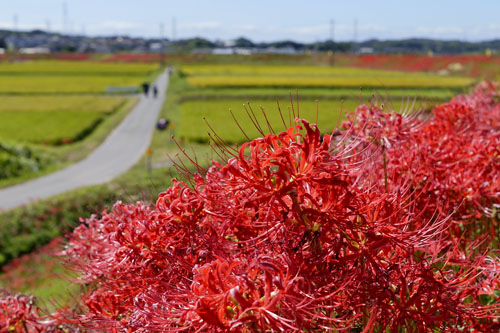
[(239, 76), (70, 77), (332, 82), (276, 70), (220, 88), (47, 127), (80, 68), (17, 84)]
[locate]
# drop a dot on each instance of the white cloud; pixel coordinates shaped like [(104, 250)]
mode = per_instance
[(341, 31), (216, 29), (311, 30), (440, 30), (372, 28), (116, 25), (23, 27), (472, 33), (112, 27), (201, 25), (247, 27)]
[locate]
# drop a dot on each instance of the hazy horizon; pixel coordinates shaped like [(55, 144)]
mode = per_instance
[(260, 21)]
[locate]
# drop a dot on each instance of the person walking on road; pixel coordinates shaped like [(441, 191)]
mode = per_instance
[(145, 88)]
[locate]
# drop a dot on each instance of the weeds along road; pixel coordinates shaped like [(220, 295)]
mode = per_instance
[(119, 152)]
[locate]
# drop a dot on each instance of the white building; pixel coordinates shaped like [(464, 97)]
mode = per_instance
[(34, 50)]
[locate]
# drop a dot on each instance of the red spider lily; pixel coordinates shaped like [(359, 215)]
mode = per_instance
[(289, 234), (19, 313), (450, 162), (475, 65)]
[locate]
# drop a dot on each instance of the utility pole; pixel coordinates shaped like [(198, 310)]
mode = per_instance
[(47, 25)]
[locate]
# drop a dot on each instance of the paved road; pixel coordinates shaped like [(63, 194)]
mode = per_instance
[(119, 152)]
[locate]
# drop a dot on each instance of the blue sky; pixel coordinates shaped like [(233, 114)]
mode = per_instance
[(262, 20)]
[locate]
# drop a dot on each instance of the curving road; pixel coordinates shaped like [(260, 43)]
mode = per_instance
[(119, 152)]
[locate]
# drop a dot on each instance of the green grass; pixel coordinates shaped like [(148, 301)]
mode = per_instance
[(43, 276), (47, 127), (52, 120), (12, 84), (71, 77), (191, 125), (246, 94), (59, 103), (80, 68), (377, 82)]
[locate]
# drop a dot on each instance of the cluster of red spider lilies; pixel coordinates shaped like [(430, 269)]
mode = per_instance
[(389, 224), (471, 64)]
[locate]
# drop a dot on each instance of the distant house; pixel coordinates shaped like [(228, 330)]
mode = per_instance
[(229, 43), (157, 46), (34, 50), (222, 51), (365, 50), (242, 51)]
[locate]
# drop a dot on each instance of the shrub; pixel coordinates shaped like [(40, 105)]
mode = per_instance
[(16, 161)]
